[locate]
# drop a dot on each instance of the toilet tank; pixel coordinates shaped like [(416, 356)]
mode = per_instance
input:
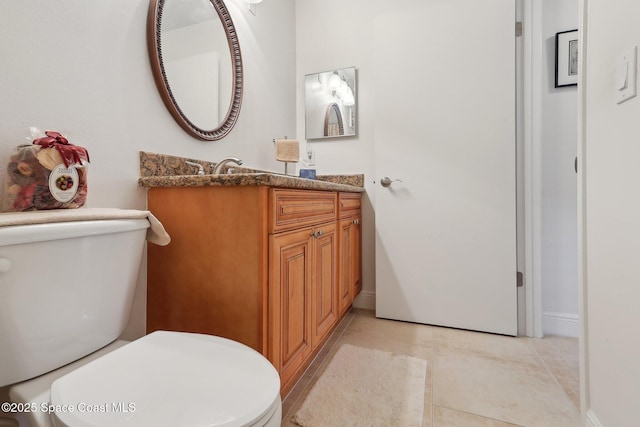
[(66, 290)]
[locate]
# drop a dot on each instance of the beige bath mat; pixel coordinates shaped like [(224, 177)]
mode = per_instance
[(366, 387)]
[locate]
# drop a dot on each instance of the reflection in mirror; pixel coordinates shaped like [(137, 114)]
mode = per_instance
[(333, 124), (197, 64), (330, 103)]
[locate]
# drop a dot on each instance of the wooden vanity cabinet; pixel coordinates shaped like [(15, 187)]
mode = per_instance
[(255, 264), (213, 277)]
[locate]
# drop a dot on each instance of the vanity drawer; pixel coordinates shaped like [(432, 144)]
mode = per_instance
[(350, 204), (290, 209)]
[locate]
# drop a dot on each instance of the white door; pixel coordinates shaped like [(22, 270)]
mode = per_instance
[(445, 127)]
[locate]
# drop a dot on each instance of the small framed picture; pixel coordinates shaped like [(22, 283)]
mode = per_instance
[(567, 58)]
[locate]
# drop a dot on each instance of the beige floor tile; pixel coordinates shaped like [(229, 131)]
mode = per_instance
[(427, 420), (511, 391), (490, 345), (571, 387), (409, 333), (445, 417), (384, 343), (561, 356), (557, 346), (388, 335), (473, 379)]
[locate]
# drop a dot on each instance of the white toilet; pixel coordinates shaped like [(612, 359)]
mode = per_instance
[(66, 291)]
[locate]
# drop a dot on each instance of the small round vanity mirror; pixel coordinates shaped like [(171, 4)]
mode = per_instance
[(197, 65)]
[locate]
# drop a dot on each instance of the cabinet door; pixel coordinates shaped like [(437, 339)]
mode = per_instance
[(346, 288), (356, 256), (324, 310), (290, 301), (350, 282)]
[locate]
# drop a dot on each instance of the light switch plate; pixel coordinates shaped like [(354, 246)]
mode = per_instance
[(626, 75), (310, 158)]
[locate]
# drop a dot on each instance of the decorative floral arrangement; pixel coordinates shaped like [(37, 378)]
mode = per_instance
[(51, 173)]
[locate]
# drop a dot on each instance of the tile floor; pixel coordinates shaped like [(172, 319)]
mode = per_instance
[(473, 379)]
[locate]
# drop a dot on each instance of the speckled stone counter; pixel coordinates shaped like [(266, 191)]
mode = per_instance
[(159, 170)]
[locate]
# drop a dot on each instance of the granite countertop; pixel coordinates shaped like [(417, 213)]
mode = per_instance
[(159, 170)]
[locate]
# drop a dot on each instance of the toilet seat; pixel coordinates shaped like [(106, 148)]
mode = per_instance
[(170, 379)]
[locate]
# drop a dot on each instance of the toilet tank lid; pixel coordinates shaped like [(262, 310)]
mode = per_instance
[(45, 218), (22, 234), (172, 379)]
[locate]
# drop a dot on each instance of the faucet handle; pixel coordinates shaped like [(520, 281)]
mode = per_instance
[(198, 165)]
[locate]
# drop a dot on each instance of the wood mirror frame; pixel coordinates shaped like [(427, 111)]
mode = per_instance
[(154, 23), (335, 109)]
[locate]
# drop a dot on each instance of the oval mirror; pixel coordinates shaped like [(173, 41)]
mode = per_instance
[(333, 124), (196, 62)]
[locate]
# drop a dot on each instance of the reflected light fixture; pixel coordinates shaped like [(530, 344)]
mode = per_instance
[(349, 99), (316, 84), (343, 89), (252, 5), (334, 82)]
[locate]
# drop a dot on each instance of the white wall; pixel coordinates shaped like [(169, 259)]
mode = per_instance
[(558, 139), (332, 34), (82, 67), (325, 40), (612, 199)]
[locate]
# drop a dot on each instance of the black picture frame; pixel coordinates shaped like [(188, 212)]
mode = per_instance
[(567, 58)]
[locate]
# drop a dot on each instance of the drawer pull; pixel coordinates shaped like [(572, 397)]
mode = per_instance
[(356, 221), (316, 234)]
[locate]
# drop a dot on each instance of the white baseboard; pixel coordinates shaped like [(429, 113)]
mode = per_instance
[(365, 300), (592, 420), (562, 324)]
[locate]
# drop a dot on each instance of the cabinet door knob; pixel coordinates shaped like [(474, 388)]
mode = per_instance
[(356, 221)]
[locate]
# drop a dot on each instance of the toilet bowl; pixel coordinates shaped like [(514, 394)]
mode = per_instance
[(162, 379), (62, 362)]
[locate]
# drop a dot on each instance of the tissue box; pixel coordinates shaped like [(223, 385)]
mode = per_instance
[(308, 173)]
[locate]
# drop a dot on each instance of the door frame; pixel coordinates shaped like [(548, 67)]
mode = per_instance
[(531, 174), (532, 87), (583, 340)]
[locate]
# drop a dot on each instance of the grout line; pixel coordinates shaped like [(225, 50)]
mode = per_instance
[(555, 379), (482, 416), (433, 372)]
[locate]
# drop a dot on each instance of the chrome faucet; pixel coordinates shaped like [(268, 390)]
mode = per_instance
[(218, 168)]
